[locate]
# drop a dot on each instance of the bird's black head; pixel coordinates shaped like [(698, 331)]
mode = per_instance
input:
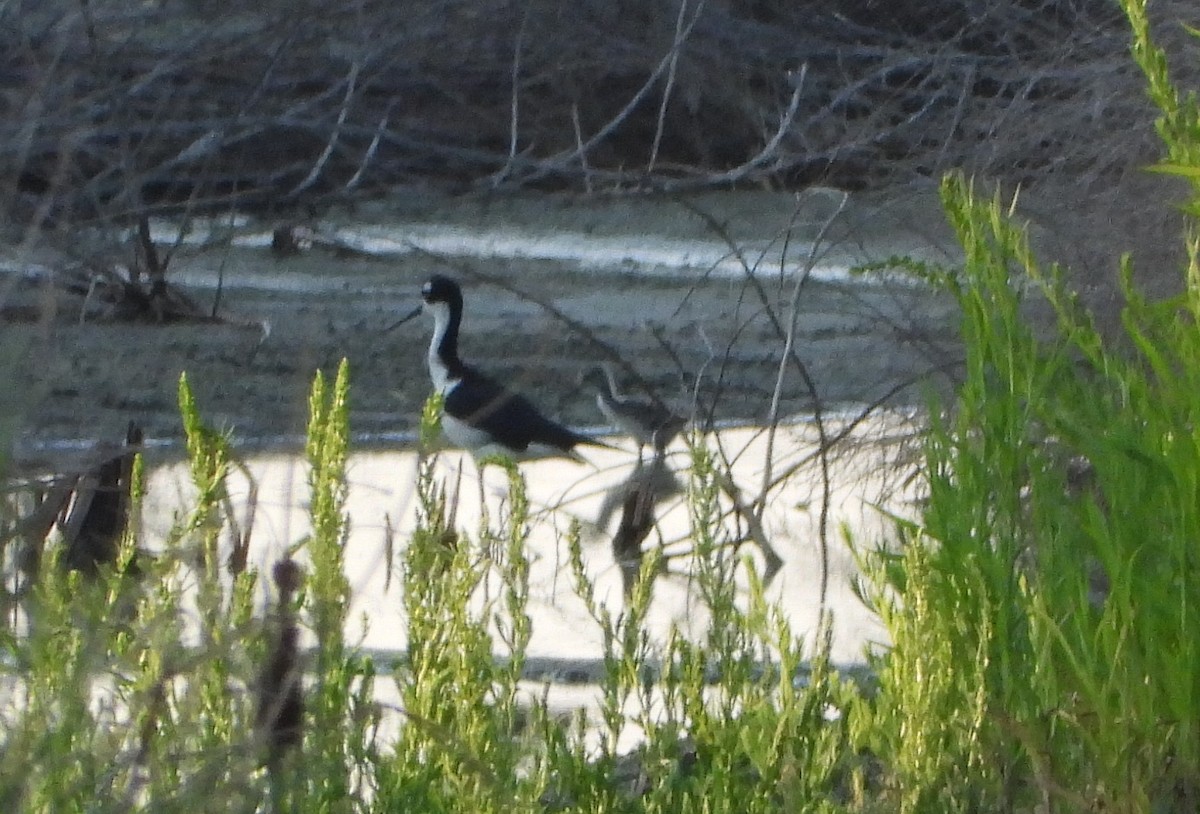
[(441, 289)]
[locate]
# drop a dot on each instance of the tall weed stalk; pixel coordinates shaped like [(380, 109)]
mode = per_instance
[(461, 748), (731, 721)]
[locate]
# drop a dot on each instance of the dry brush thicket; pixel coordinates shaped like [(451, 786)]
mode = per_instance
[(113, 108)]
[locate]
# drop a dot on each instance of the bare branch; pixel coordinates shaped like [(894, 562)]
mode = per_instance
[(369, 154), (315, 172), (564, 159), (666, 97)]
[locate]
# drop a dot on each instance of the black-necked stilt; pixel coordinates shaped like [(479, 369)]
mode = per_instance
[(646, 421), (480, 414)]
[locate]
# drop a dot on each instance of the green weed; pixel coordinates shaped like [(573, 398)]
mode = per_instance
[(1041, 610)]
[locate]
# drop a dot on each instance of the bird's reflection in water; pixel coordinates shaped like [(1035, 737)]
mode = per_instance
[(637, 498)]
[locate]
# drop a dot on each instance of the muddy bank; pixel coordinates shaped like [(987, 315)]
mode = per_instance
[(702, 337)]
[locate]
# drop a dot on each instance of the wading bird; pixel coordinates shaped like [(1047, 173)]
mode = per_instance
[(481, 414), (645, 420)]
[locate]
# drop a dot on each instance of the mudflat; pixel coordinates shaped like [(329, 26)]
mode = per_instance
[(551, 293)]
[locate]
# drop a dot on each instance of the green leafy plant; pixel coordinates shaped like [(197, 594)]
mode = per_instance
[(460, 746), (1041, 610)]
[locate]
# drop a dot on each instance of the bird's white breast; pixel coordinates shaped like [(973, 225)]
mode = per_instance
[(461, 434)]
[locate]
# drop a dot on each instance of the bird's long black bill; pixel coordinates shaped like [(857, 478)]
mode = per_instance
[(403, 319)]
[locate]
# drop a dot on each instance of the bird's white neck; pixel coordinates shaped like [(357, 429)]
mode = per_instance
[(440, 367)]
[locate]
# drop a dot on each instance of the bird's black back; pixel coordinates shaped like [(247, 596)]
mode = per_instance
[(507, 416)]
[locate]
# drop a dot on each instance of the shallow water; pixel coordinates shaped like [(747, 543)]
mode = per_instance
[(867, 470), (865, 483), (824, 229), (867, 467)]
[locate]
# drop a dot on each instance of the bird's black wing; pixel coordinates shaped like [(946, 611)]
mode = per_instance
[(508, 417)]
